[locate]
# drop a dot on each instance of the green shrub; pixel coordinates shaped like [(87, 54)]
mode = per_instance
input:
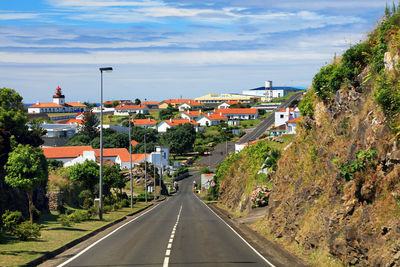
[(205, 170), (365, 159), (107, 208), (354, 60), (307, 104), (79, 216), (11, 219), (125, 203), (87, 203), (26, 230), (387, 95), (328, 80), (93, 211), (36, 214), (65, 220)]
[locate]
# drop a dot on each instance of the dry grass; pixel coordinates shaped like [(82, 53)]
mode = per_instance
[(15, 253)]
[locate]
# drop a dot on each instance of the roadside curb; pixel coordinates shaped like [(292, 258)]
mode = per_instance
[(69, 245)]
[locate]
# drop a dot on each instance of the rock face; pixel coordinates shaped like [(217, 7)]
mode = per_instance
[(356, 222)]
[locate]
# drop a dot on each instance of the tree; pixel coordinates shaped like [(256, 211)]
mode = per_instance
[(116, 140), (26, 169), (115, 103), (112, 178), (168, 113), (140, 116), (90, 123), (139, 132), (87, 174), (34, 135), (180, 138), (137, 101)]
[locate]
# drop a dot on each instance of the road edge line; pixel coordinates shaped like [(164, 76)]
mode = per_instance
[(244, 240)]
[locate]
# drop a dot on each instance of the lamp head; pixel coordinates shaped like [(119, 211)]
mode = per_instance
[(106, 69)]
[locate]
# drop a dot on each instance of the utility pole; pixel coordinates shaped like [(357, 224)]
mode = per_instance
[(130, 159), (145, 170)]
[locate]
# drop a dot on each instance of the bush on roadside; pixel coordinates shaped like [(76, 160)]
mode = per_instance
[(125, 203), (107, 208), (11, 220), (87, 203), (65, 220), (93, 211), (26, 230), (79, 216)]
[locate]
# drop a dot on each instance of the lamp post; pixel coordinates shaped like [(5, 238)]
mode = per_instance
[(101, 142), (130, 159), (145, 170)]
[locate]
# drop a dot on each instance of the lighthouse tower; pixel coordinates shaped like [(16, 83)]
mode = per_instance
[(59, 98)]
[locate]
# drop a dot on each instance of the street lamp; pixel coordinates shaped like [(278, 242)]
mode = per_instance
[(145, 169), (101, 142), (130, 159)]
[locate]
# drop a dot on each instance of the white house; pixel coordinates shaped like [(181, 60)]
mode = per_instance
[(283, 115), (124, 110), (211, 119), (166, 124), (291, 125), (238, 113), (145, 123), (190, 105), (58, 106), (191, 115), (227, 104)]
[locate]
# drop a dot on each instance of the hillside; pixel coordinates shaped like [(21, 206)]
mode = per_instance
[(335, 197)]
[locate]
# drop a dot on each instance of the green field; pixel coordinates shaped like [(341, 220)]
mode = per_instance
[(15, 253), (51, 115)]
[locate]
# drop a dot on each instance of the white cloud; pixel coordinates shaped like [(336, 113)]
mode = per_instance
[(201, 58), (4, 15)]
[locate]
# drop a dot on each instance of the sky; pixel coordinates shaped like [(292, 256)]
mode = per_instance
[(161, 49)]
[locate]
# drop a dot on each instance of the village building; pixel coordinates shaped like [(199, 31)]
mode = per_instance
[(190, 105), (125, 110), (145, 123), (151, 104), (238, 113), (58, 106), (291, 125), (211, 119), (227, 104), (283, 115), (175, 103), (166, 124), (215, 98), (191, 115)]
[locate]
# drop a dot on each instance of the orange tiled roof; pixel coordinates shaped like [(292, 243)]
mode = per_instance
[(73, 121), (131, 107), (193, 103), (134, 143), (111, 152), (237, 111), (75, 104), (217, 116), (137, 157), (177, 101), (176, 122), (233, 102), (194, 113), (65, 151), (144, 122), (294, 120), (46, 105), (284, 110)]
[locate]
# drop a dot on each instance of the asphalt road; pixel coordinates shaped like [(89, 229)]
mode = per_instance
[(267, 122), (181, 231)]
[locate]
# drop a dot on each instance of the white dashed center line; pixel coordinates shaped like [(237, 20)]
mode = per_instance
[(171, 239)]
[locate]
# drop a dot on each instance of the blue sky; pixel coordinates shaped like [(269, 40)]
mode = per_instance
[(163, 49)]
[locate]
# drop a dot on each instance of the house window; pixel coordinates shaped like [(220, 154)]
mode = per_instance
[(282, 116)]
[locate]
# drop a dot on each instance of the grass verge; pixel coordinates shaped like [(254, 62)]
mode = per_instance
[(15, 253)]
